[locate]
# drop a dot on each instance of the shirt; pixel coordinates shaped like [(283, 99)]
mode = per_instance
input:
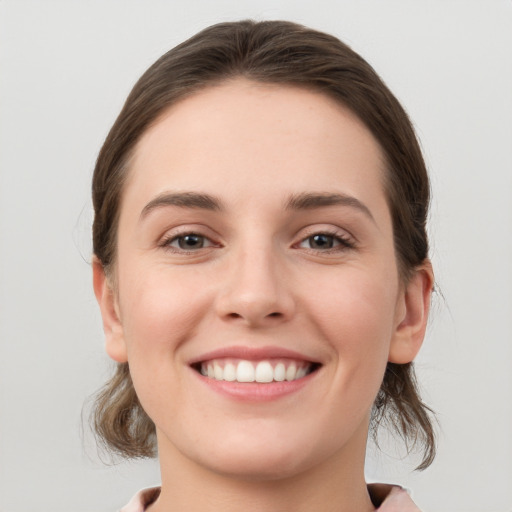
[(388, 498)]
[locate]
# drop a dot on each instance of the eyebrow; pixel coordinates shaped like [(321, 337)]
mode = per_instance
[(183, 200), (309, 201), (303, 201)]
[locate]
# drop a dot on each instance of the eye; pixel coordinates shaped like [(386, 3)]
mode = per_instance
[(325, 241), (188, 242)]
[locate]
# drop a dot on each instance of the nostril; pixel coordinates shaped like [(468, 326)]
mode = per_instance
[(234, 316)]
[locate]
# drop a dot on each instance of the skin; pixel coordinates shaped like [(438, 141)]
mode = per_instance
[(259, 280)]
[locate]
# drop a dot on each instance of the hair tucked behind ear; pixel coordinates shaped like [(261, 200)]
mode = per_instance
[(119, 420), (399, 406), (269, 52)]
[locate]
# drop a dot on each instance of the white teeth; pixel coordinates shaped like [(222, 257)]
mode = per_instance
[(291, 372), (230, 372), (279, 372), (248, 371), (301, 372), (245, 372), (217, 371), (264, 372)]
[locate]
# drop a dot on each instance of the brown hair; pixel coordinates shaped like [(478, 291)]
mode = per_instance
[(271, 52)]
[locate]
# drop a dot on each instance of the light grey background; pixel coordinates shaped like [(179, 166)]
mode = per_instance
[(66, 67)]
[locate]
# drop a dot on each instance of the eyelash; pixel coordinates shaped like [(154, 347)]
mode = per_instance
[(166, 242), (343, 242)]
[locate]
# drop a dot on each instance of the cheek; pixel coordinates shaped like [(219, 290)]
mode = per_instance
[(356, 308), (160, 310), (355, 314), (160, 313)]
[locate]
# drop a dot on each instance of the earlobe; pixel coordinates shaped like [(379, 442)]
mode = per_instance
[(114, 339), (413, 316)]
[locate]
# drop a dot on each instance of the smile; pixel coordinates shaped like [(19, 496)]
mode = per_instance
[(263, 371)]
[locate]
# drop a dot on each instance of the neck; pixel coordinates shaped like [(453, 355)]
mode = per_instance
[(334, 485)]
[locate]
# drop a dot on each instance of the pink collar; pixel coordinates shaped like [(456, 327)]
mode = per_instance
[(388, 498)]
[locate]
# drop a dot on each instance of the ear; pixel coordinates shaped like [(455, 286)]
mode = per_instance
[(107, 301), (412, 315)]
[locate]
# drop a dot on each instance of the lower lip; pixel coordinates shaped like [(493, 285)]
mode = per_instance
[(255, 391)]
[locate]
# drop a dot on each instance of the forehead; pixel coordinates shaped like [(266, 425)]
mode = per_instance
[(268, 138)]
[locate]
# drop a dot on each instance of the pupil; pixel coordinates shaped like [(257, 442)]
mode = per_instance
[(191, 242), (321, 242)]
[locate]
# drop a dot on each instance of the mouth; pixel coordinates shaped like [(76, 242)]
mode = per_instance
[(263, 371)]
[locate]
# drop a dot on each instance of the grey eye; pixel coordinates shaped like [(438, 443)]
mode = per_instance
[(190, 242), (321, 241)]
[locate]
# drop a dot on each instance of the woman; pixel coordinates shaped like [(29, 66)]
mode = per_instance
[(261, 266)]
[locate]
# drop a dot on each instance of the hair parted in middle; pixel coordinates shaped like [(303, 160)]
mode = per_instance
[(274, 52)]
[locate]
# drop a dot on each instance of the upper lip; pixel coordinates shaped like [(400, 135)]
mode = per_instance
[(252, 354)]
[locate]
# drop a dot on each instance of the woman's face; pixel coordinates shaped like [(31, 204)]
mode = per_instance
[(255, 243)]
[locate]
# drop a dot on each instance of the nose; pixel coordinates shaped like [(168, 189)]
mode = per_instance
[(256, 291)]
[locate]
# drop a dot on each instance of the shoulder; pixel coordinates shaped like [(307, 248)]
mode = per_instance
[(141, 500), (391, 498)]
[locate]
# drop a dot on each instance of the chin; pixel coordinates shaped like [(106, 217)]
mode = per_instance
[(260, 468), (260, 458)]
